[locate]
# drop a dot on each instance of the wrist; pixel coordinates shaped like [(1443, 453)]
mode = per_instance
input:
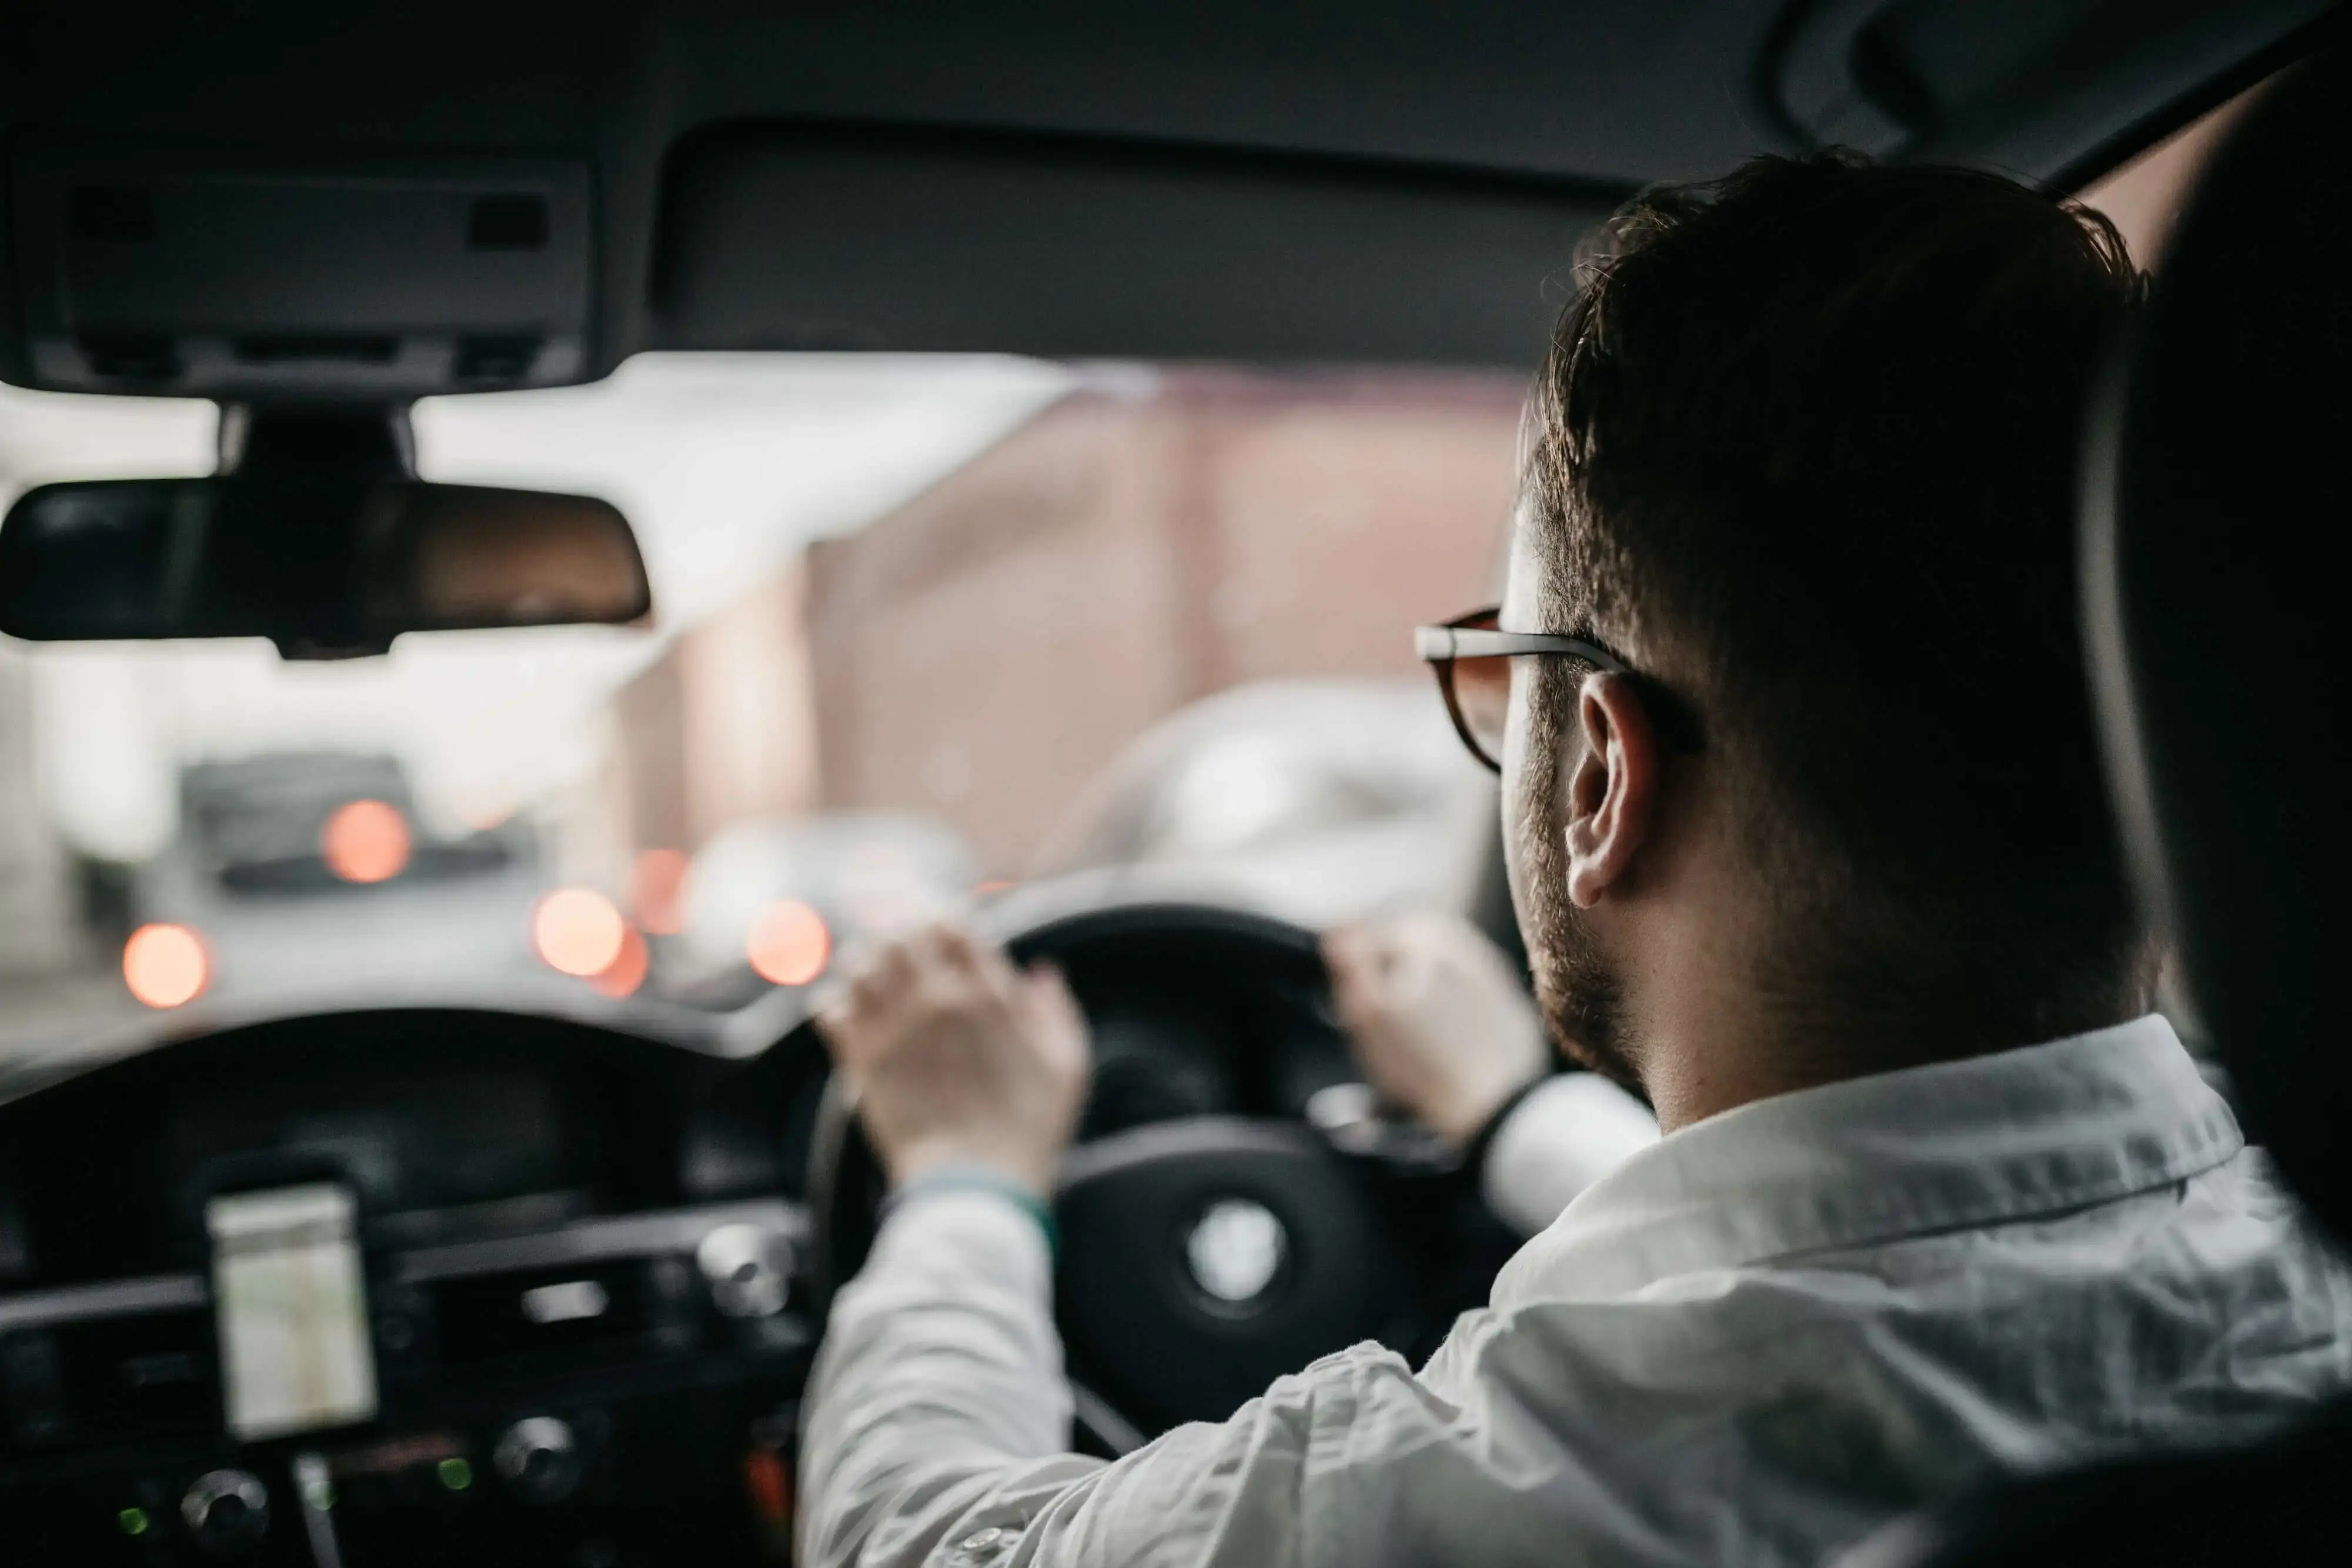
[(1475, 1112), (971, 1179), (1482, 1136), (925, 1159)]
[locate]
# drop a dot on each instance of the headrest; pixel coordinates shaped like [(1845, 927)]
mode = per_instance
[(2217, 489)]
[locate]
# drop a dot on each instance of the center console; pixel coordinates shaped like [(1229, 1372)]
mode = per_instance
[(568, 1389)]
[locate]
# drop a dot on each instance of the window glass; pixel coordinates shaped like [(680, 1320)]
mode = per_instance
[(926, 629)]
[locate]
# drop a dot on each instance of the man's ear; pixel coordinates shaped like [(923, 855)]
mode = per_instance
[(1611, 792)]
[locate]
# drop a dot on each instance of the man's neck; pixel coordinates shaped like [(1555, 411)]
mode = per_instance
[(1691, 1083), (1746, 1048), (1720, 1009), (1699, 1032)]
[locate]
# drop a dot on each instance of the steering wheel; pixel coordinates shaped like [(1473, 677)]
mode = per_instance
[(1201, 1255)]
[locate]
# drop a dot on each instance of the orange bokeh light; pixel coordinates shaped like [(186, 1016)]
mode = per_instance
[(167, 965), (365, 841), (578, 931), (788, 945), (487, 819), (660, 878), (626, 972)]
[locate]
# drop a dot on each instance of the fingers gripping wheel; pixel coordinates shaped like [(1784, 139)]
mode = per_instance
[(1201, 1257)]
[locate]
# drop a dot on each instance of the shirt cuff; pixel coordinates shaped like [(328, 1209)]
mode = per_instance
[(967, 1233), (964, 1176), (1563, 1136)]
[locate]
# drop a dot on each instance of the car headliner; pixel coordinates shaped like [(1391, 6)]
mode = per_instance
[(1216, 178)]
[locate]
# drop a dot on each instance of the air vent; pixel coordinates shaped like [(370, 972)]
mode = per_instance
[(110, 1379), (506, 223), (117, 213), (131, 356), (495, 360), (593, 1311)]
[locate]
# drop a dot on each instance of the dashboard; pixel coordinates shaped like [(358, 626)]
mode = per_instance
[(456, 1285), (404, 1286)]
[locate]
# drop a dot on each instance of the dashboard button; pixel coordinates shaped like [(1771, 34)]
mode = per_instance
[(538, 1457), (227, 1511)]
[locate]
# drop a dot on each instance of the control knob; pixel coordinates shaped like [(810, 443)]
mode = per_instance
[(540, 1458), (227, 1511), (749, 1269)]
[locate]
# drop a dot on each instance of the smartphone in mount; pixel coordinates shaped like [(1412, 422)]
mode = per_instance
[(290, 1301)]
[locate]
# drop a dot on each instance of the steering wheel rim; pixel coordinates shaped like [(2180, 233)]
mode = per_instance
[(1130, 1204)]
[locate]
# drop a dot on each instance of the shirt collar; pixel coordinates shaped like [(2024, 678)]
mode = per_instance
[(1954, 1144)]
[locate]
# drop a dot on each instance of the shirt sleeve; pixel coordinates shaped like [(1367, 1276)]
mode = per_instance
[(1571, 1131), (937, 1424)]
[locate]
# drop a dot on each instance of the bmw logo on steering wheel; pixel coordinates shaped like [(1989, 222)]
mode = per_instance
[(1234, 1252)]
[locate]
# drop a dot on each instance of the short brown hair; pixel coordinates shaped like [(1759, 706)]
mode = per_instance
[(1806, 440)]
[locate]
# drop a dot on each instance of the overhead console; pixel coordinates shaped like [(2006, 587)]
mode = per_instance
[(142, 270)]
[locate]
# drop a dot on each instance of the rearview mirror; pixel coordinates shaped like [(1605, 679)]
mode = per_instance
[(324, 565)]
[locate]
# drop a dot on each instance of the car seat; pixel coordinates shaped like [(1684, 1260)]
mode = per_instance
[(2215, 477)]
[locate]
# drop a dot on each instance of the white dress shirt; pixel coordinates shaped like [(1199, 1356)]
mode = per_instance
[(1754, 1342), (1566, 1134)]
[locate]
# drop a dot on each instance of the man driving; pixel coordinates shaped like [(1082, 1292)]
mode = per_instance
[(1808, 844)]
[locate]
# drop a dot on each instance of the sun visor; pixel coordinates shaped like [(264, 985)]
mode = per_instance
[(147, 273), (794, 236)]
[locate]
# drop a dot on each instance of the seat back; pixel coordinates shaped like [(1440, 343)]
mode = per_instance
[(2216, 493)]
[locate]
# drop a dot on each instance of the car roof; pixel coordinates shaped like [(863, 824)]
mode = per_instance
[(1219, 178)]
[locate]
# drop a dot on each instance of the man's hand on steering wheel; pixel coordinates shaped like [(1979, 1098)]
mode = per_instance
[(954, 1057), (1442, 1028)]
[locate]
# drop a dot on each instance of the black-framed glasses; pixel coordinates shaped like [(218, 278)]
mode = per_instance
[(1471, 657)]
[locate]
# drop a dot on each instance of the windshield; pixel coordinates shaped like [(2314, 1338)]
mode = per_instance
[(927, 631)]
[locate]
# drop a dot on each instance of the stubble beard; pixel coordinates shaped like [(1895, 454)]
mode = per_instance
[(1579, 988)]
